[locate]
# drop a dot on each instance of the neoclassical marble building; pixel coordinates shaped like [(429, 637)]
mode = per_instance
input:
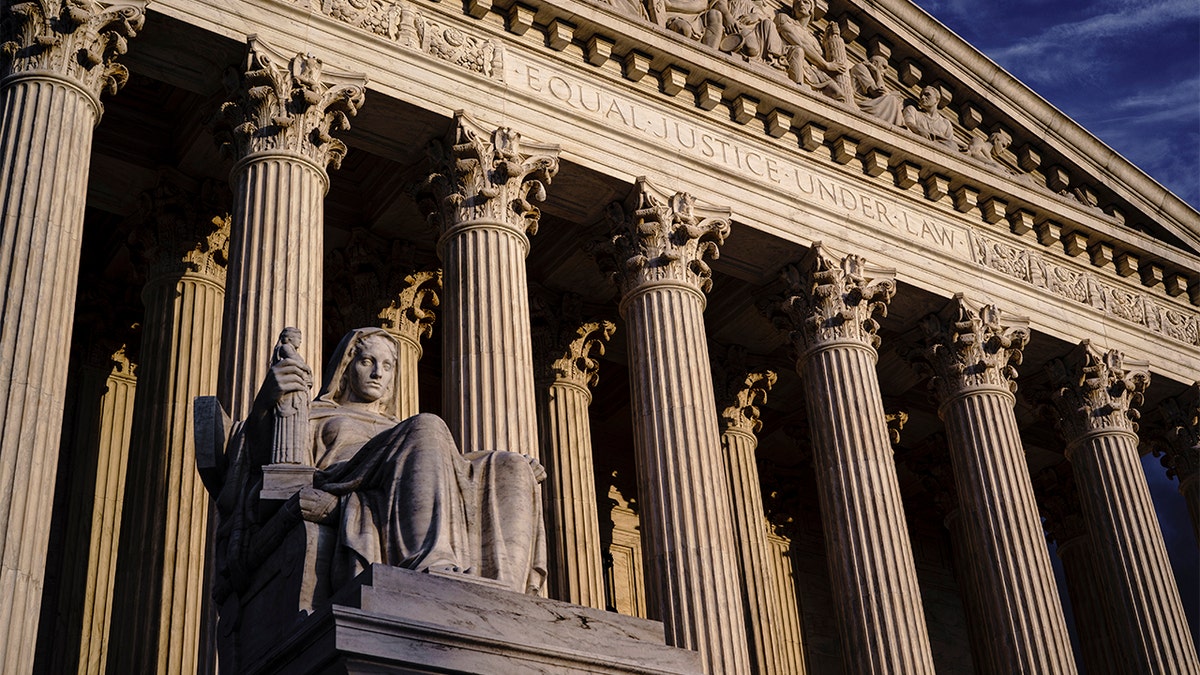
[(756, 283)]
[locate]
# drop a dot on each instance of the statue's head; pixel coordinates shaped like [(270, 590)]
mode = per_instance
[(363, 370), (1000, 141), (930, 97)]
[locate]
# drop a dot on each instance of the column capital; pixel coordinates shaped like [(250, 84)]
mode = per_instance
[(410, 314), (291, 106), (1182, 433), (828, 301), (179, 231), (564, 342), (1097, 391), (79, 40), (482, 175), (656, 237), (740, 390), (966, 346)]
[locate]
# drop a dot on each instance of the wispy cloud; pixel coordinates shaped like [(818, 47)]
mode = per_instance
[(1035, 55)]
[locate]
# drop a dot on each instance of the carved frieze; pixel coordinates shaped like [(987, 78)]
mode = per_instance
[(564, 343), (1096, 391), (1036, 269), (482, 175), (180, 231), (827, 300), (659, 238), (405, 24), (740, 390), (76, 39), (965, 347), (287, 105)]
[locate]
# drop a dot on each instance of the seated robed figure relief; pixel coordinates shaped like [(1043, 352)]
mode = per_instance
[(398, 492)]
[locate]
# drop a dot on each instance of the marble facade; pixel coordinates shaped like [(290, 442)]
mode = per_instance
[(762, 317)]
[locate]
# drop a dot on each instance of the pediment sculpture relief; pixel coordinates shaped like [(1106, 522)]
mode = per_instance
[(376, 489), (925, 121)]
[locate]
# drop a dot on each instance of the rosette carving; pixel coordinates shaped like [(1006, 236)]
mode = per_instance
[(740, 390), (489, 176), (966, 346), (178, 230), (655, 237), (77, 39), (277, 104), (827, 300), (565, 343), (411, 313), (1097, 391)]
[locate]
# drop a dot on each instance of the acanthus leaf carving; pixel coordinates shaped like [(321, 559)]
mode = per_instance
[(657, 237), (1097, 391), (740, 390), (1181, 449), (565, 343), (827, 300), (411, 313), (486, 176), (277, 104), (77, 39), (180, 230), (965, 346)]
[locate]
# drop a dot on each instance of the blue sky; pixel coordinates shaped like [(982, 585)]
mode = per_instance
[(1128, 71)]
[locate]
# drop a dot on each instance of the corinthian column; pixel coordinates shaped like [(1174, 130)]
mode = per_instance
[(1182, 446), (1064, 523), (827, 312), (1096, 397), (277, 125), (739, 392), (479, 198), (56, 58), (656, 256), (160, 586), (971, 357), (564, 345)]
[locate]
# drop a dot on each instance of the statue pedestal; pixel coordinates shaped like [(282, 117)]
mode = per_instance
[(398, 621)]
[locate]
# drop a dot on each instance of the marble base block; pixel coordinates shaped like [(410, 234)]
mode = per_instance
[(399, 621)]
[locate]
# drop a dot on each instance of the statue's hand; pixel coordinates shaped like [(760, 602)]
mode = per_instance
[(286, 377), (539, 471), (317, 506)]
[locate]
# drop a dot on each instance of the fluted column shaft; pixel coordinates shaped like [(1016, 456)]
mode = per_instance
[(1096, 395), (408, 383), (749, 530), (572, 520), (44, 154), (870, 556), (100, 443), (790, 633), (1131, 555), (969, 589), (160, 585), (1078, 557), (685, 513), (487, 371), (275, 270), (1001, 521)]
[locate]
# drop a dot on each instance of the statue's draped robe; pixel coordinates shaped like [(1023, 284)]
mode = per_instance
[(408, 498)]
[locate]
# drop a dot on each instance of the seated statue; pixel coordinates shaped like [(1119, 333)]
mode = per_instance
[(396, 492), (806, 62), (732, 26), (927, 122), (871, 94)]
